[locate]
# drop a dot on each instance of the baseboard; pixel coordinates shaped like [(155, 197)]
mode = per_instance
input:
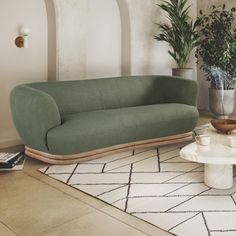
[(9, 143)]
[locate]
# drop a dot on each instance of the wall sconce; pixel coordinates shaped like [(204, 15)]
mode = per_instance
[(22, 40)]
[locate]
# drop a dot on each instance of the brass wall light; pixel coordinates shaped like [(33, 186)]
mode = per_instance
[(22, 40)]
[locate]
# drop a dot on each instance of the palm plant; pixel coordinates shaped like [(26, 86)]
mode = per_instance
[(181, 32)]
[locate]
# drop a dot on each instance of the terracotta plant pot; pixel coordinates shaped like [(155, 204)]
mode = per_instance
[(221, 102), (186, 73)]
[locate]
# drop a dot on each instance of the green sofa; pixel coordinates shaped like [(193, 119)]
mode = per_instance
[(68, 121)]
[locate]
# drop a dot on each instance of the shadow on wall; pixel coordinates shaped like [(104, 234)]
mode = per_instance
[(125, 37), (52, 57)]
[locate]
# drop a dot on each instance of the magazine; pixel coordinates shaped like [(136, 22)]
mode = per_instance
[(14, 164), (5, 157)]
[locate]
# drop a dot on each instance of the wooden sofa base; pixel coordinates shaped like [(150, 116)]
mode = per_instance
[(81, 157)]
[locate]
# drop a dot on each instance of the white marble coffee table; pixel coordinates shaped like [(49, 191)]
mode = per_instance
[(218, 158)]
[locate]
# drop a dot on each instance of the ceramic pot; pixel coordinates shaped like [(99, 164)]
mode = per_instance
[(186, 73), (221, 102)]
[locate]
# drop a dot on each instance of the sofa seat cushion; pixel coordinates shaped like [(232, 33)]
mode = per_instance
[(88, 131)]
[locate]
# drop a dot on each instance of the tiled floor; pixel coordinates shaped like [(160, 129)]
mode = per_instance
[(33, 204)]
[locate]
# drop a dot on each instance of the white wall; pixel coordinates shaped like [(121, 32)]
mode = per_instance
[(103, 39), (88, 39), (20, 65), (98, 38), (149, 56)]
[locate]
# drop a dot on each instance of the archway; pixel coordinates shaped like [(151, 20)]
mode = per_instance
[(86, 64)]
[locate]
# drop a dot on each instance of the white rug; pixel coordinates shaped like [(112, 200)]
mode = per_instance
[(174, 199)]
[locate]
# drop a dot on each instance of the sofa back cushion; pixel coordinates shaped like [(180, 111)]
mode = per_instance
[(108, 93)]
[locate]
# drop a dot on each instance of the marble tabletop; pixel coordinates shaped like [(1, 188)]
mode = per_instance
[(218, 152)]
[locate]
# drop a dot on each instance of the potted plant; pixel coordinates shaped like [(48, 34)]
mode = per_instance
[(180, 33), (217, 50)]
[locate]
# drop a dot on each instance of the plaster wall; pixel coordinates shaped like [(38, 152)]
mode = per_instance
[(109, 38), (88, 39), (149, 56), (17, 65)]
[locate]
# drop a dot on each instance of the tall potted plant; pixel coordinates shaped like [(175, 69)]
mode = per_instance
[(180, 33), (218, 53)]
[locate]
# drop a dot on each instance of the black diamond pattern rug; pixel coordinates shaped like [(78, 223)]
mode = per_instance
[(171, 195)]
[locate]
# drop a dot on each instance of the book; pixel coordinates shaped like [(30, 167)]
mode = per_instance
[(5, 157), (12, 162), (18, 166)]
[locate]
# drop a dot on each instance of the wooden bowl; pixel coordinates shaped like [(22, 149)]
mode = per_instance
[(224, 126)]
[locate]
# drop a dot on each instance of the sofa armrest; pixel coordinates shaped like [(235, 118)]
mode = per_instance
[(179, 90), (34, 114)]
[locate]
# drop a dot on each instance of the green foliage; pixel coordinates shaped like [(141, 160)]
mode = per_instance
[(181, 32), (218, 44)]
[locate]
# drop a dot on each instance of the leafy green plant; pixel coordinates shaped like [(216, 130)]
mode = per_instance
[(181, 32), (218, 46)]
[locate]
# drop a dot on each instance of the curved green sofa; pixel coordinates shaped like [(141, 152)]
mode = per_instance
[(64, 122)]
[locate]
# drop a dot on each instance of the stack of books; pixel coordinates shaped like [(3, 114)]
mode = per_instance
[(11, 161)]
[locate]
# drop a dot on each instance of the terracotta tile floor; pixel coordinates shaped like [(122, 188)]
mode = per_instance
[(33, 204)]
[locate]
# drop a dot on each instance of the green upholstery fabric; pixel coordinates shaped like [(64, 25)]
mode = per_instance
[(34, 114), (47, 113), (109, 93), (87, 131)]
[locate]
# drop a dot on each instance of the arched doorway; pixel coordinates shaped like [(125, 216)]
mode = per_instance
[(87, 40)]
